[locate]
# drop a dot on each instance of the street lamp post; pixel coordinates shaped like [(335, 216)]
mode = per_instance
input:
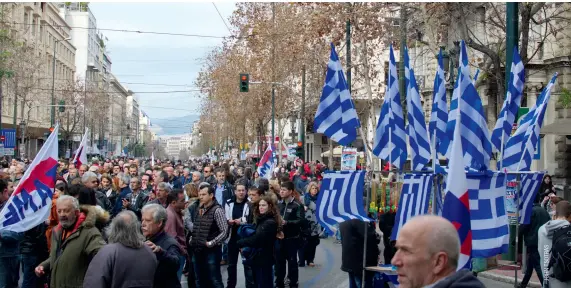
[(87, 69), (53, 110)]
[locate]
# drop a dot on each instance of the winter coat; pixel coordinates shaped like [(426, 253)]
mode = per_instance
[(227, 193), (168, 257), (229, 207), (264, 239), (310, 215), (294, 213), (113, 267), (529, 231), (70, 258), (460, 279), (352, 237), (103, 201), (140, 201), (174, 227), (35, 242), (544, 249), (118, 203)]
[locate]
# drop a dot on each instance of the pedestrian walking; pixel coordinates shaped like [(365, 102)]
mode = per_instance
[(539, 216), (314, 230), (550, 233)]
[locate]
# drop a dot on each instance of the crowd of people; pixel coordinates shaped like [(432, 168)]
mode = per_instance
[(172, 218)]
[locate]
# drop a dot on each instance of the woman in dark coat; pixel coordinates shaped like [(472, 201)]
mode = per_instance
[(267, 219)]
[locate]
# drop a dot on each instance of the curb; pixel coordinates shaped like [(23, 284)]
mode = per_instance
[(506, 279)]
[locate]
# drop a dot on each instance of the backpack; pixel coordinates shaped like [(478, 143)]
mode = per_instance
[(561, 254)]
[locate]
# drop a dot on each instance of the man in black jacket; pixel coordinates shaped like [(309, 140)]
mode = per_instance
[(292, 214), (352, 241), (539, 216), (136, 199), (168, 253), (33, 249)]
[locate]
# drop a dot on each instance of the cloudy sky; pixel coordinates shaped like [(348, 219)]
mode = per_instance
[(160, 65)]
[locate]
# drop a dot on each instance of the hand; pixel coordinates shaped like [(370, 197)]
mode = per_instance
[(284, 222), (126, 203), (237, 221), (40, 271), (208, 244), (153, 247)]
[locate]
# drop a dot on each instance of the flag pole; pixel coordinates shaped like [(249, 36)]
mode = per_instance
[(367, 199), (502, 150), (434, 177)]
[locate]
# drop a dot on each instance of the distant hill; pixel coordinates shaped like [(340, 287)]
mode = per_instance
[(174, 125)]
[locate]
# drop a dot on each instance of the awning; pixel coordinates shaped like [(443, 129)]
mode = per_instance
[(559, 127)]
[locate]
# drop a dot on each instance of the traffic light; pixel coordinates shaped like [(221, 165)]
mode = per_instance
[(244, 82), (52, 129), (299, 150), (61, 107)]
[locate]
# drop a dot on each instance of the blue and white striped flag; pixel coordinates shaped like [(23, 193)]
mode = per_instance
[(476, 77), (336, 116), (529, 185), (511, 104), (476, 145), (520, 148), (418, 136), (390, 136), (488, 217), (439, 115), (341, 198), (414, 199)]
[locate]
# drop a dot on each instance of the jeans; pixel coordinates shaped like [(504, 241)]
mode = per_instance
[(287, 253), (233, 252), (29, 263), (301, 252), (181, 260), (264, 276), (206, 263), (9, 272), (355, 279), (338, 234), (533, 262), (224, 252)]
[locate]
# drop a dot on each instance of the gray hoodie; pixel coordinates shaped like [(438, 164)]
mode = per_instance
[(544, 248)]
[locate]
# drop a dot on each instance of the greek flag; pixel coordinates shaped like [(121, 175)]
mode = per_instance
[(476, 77), (341, 198), (529, 185), (414, 199), (390, 136), (417, 134), (520, 148), (511, 104), (476, 145), (488, 217), (439, 115), (336, 116)]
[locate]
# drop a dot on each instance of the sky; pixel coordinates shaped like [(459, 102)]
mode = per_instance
[(162, 59)]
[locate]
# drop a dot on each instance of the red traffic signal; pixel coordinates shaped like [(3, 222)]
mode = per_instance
[(51, 129), (299, 144), (2, 138)]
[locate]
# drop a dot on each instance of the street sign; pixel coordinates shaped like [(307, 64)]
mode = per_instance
[(9, 138)]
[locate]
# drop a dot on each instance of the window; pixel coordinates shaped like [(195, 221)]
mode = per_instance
[(34, 27)]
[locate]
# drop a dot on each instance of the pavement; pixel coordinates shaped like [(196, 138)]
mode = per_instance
[(508, 276)]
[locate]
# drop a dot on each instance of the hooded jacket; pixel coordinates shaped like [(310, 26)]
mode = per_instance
[(544, 249), (460, 279), (70, 258)]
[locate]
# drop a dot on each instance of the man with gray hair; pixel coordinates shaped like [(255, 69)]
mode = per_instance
[(76, 229), (163, 190), (90, 180), (428, 249), (108, 269), (165, 247)]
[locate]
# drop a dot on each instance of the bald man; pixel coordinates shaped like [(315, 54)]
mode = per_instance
[(427, 255)]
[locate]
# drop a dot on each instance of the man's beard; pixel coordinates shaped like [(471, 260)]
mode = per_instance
[(66, 223)]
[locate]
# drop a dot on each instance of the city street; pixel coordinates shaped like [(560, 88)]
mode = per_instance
[(327, 272)]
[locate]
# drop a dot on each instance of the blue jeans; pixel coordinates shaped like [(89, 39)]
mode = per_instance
[(206, 263), (9, 272), (355, 280), (29, 263), (182, 260), (225, 252)]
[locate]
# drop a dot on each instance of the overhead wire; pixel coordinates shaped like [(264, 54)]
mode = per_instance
[(112, 92), (223, 21)]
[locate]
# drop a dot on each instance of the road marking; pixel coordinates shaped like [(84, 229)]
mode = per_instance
[(326, 268)]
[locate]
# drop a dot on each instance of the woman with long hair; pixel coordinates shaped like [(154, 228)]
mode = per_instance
[(267, 219)]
